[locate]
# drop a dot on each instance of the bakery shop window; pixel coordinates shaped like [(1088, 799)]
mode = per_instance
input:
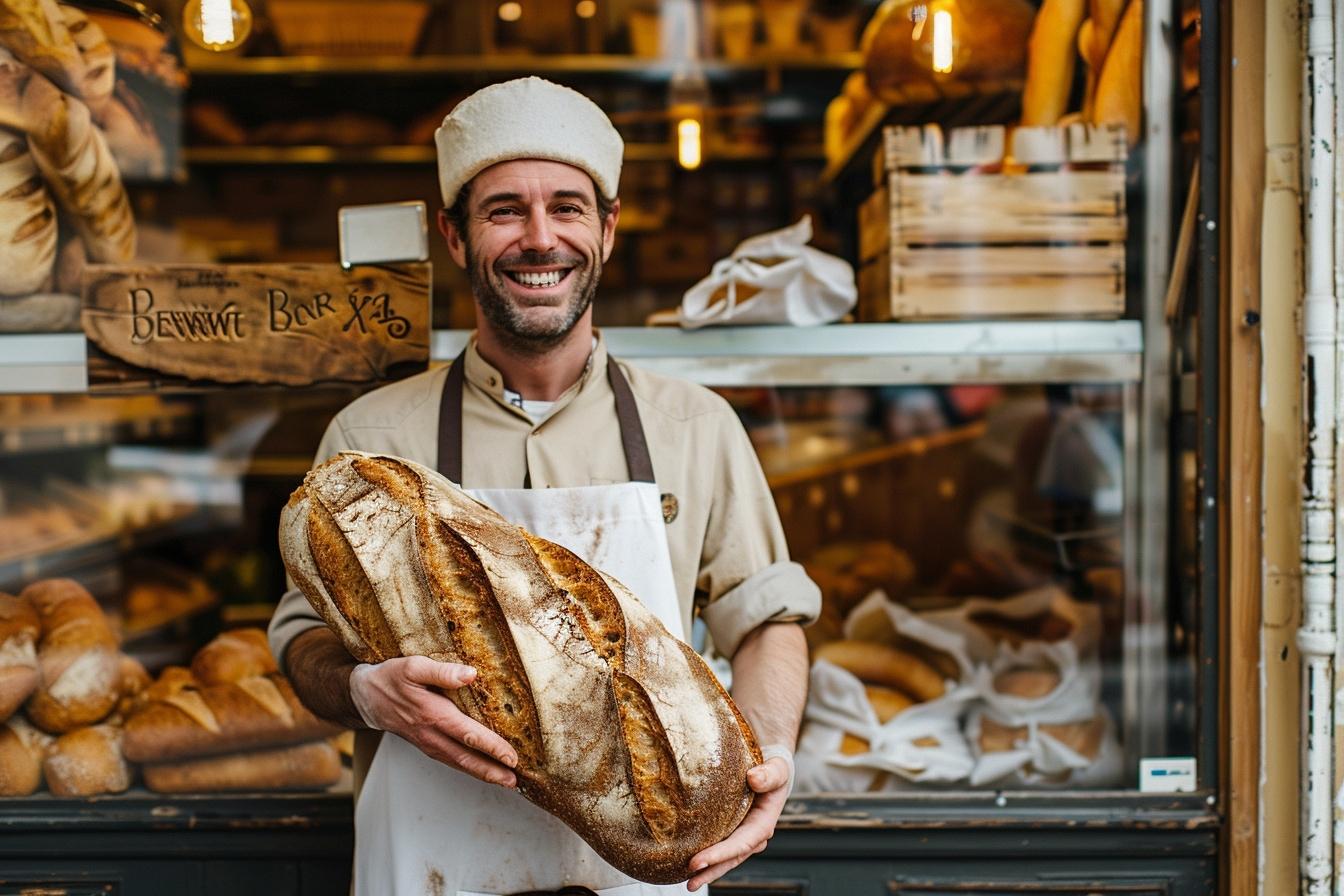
[(136, 580), (973, 546)]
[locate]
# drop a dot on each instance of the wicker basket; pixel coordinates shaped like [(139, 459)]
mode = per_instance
[(348, 27)]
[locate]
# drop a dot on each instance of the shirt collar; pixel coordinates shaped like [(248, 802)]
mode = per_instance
[(484, 376)]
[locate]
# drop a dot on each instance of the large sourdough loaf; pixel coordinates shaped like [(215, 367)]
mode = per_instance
[(621, 730)]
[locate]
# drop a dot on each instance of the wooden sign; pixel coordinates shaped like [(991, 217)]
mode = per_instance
[(259, 324)]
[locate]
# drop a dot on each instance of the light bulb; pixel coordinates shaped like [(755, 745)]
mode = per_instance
[(942, 41), (585, 9), (510, 12), (217, 25), (688, 143)]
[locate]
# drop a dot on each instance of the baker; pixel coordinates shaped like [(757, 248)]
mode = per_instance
[(648, 478)]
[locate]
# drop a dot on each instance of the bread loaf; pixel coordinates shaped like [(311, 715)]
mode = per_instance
[(1119, 97), (885, 665), (21, 750), (74, 157), (622, 731), (19, 630), (98, 74), (27, 219), (302, 767), (1051, 56), (87, 762), (252, 713), (36, 33), (78, 663), (232, 656)]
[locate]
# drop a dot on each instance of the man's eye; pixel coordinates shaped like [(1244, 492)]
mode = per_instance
[(568, 210), (503, 212)]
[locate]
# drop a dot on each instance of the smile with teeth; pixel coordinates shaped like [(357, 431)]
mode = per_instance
[(540, 280)]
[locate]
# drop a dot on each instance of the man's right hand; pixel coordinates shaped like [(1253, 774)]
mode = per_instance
[(405, 696)]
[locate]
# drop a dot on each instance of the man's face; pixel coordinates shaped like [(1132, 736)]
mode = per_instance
[(534, 248)]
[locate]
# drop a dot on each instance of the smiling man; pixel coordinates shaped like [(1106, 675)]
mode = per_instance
[(648, 478)]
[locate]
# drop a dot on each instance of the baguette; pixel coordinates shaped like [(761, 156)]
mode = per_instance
[(27, 220), (79, 668), (885, 665), (232, 656), (301, 767), (87, 762), (98, 72), (1050, 62), (622, 731), (19, 630), (224, 718), (36, 33), (1119, 97)]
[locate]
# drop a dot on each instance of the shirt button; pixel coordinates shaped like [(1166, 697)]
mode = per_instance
[(492, 382)]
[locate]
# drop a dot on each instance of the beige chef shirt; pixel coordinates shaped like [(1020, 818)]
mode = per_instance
[(726, 543)]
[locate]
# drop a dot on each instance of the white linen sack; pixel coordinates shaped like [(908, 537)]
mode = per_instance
[(1083, 621), (878, 618), (837, 705), (772, 278), (1039, 759)]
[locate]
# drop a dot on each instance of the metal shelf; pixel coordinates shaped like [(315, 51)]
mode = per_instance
[(1049, 351), (872, 354)]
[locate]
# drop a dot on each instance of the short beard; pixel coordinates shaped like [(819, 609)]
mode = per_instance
[(510, 325)]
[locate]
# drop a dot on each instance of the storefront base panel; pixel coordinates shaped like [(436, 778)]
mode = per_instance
[(302, 846)]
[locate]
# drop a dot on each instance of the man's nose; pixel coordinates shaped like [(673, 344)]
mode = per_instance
[(538, 235)]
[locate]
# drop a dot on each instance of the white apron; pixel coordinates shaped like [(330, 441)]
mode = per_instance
[(422, 827)]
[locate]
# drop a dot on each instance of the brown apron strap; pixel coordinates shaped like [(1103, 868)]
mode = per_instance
[(633, 443)]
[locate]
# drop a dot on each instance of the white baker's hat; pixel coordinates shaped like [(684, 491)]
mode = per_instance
[(527, 118)]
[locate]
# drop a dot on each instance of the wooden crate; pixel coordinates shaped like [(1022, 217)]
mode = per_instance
[(990, 226)]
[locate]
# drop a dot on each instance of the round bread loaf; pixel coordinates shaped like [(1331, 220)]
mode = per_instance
[(87, 762), (19, 630), (78, 663), (401, 562)]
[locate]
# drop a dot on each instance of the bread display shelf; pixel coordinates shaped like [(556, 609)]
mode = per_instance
[(84, 428), (1053, 351), (97, 545)]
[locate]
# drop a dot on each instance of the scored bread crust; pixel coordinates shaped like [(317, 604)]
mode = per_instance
[(622, 731)]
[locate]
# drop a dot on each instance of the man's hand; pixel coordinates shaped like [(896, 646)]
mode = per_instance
[(405, 696), (770, 782)]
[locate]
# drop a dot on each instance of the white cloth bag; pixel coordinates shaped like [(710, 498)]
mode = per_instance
[(772, 278)]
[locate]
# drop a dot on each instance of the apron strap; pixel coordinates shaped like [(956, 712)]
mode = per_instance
[(633, 443)]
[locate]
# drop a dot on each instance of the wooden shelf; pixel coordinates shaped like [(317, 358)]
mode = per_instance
[(83, 428), (425, 155), (635, 67)]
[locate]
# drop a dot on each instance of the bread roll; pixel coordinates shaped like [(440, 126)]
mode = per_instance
[(1016, 630), (302, 767), (1084, 737), (19, 630), (234, 655), (21, 751), (885, 665), (27, 220), (886, 702), (224, 718), (1029, 684), (622, 731), (87, 762), (1050, 61), (78, 664), (133, 680)]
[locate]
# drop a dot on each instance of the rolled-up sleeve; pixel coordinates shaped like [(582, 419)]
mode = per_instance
[(745, 569), (294, 615)]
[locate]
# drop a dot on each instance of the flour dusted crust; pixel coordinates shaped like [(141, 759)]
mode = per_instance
[(79, 666), (622, 731)]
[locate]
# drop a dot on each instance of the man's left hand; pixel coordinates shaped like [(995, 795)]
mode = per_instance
[(769, 781)]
